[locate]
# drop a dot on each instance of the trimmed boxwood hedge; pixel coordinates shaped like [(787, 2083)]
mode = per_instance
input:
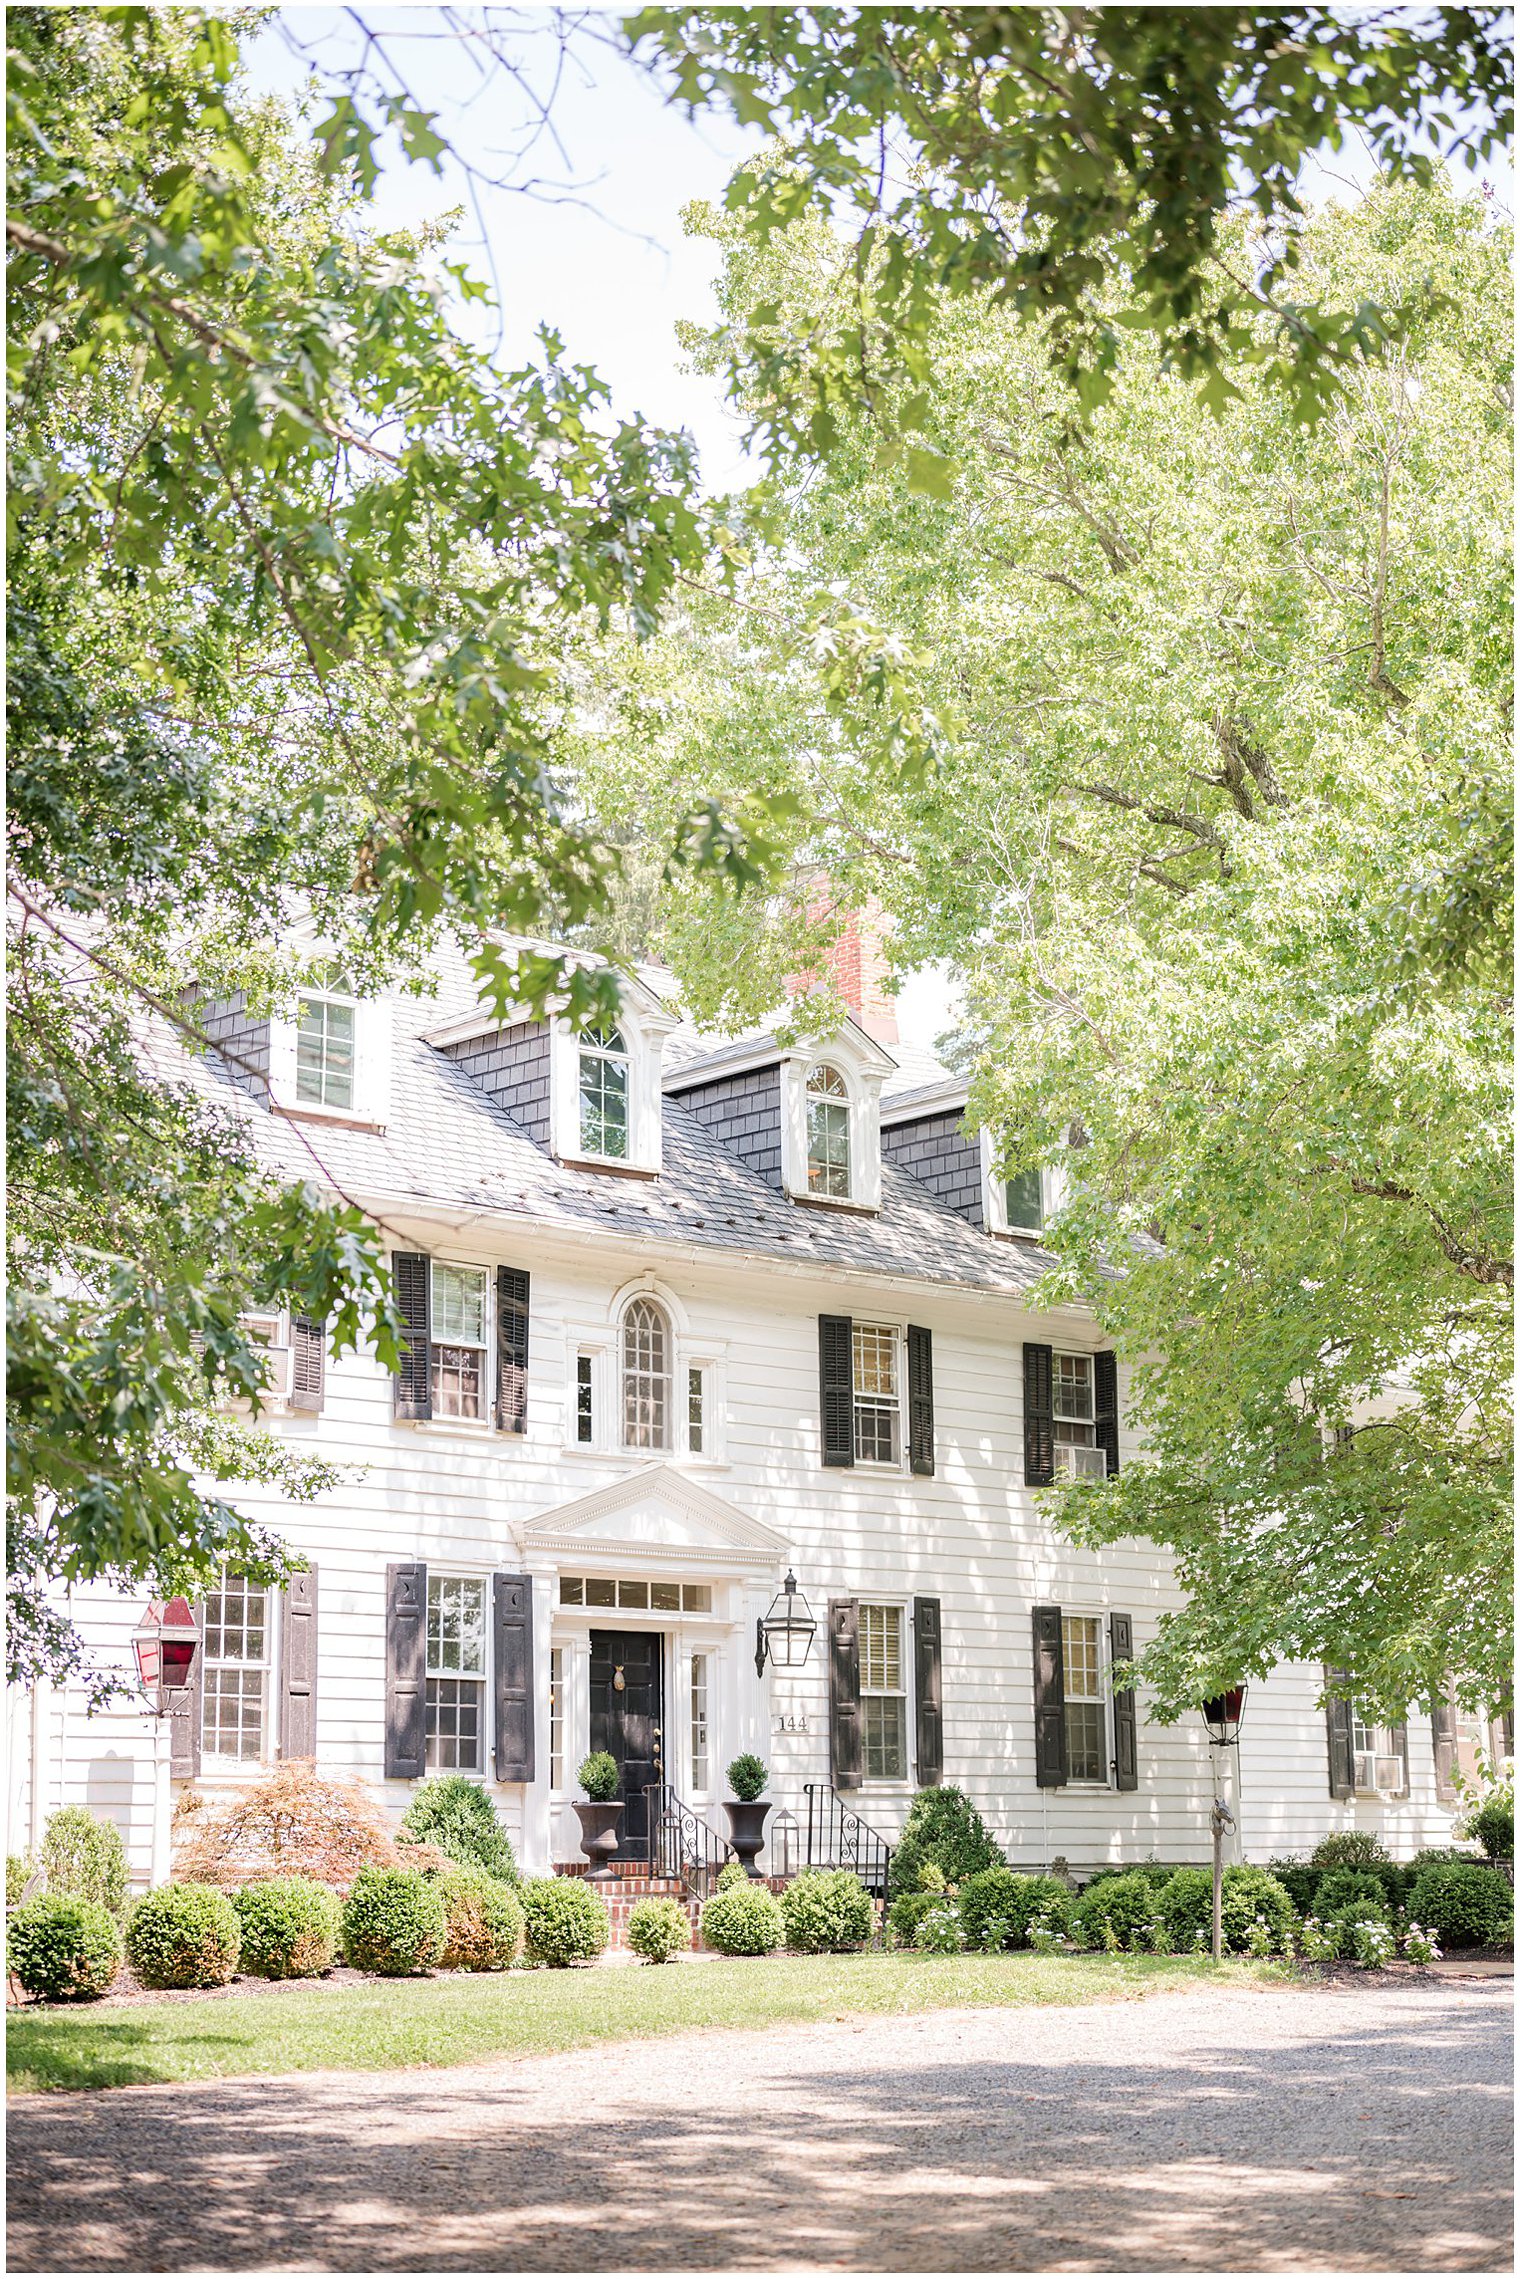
[(1120, 1906), (289, 1927), (456, 1814), (184, 1934), (84, 1858), (1464, 1903), (63, 1949), (658, 1929), (908, 1910), (1342, 1887), (394, 1923), (744, 1920), (1003, 1895), (485, 1924), (1186, 1906), (943, 1826), (566, 1920), (826, 1911)]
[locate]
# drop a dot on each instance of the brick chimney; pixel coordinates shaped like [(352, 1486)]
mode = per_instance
[(857, 965)]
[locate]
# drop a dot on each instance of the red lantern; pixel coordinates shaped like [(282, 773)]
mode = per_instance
[(164, 1643), (1222, 1714)]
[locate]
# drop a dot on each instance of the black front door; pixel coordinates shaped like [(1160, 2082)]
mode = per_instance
[(627, 1711)]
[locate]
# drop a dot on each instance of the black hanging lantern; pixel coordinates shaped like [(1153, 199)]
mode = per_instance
[(785, 1635), (1222, 1714)]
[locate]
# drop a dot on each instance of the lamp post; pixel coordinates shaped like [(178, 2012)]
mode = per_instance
[(785, 1635), (1222, 1714), (164, 1644)]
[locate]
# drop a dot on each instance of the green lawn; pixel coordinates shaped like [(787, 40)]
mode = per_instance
[(453, 2020)]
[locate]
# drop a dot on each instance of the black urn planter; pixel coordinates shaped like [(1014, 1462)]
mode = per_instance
[(746, 1832), (599, 1837)]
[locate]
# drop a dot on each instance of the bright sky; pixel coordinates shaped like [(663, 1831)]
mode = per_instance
[(598, 250)]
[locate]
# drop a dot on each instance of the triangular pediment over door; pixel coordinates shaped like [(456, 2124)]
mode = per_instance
[(657, 1516)]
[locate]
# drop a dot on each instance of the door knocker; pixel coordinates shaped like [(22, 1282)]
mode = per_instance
[(619, 1682)]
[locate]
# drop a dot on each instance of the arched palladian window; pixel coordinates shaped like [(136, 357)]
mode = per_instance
[(646, 1376), (604, 1093), (828, 1132)]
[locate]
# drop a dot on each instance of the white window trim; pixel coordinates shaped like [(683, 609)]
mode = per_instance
[(1099, 1615), (439, 1570), (862, 1071), (601, 1343), (561, 1653), (372, 1058), (251, 1768), (995, 1194), (898, 1325), (1394, 1795), (890, 1784), (485, 1420), (643, 1035)]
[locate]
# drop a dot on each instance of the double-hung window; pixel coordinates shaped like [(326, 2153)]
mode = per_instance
[(877, 1404), (459, 1335), (1086, 1710), (604, 1093), (828, 1133), (1024, 1202), (1377, 1756), (235, 1673), (456, 1673), (326, 1014), (883, 1693)]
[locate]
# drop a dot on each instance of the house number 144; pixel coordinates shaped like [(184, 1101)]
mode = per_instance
[(789, 1724)]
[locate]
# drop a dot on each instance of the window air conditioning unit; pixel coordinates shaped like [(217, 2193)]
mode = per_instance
[(1080, 1463), (1390, 1774)]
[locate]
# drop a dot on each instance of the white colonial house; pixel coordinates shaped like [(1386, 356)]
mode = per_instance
[(686, 1317)]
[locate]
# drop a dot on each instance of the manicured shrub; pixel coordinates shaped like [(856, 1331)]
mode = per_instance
[(20, 1867), (1347, 1848), (939, 1932), (598, 1776), (289, 1927), (1343, 1885), (1186, 1907), (733, 1872), (1115, 1912), (63, 1949), (1000, 1896), (747, 1777), (394, 1923), (907, 1911), (943, 1826), (457, 1815), (744, 1920), (566, 1920), (484, 1920), (1345, 1924), (84, 1858), (658, 1929), (826, 1911), (1299, 1881), (184, 1934), (1493, 1826), (1464, 1903)]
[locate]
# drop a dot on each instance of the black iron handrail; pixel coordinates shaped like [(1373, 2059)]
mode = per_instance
[(837, 1837), (682, 1844)]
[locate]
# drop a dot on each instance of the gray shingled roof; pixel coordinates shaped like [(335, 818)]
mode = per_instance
[(446, 1146)]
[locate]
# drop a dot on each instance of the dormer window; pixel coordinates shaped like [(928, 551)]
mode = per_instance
[(828, 1133), (604, 1120), (325, 1041), (646, 1376), (1024, 1202)]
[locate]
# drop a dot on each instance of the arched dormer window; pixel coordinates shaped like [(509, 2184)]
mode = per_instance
[(647, 1376), (604, 1093), (828, 1132)]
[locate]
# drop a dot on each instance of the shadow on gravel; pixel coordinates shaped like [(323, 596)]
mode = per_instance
[(1365, 2147)]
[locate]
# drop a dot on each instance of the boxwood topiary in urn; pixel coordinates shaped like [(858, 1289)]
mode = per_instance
[(600, 1814), (745, 1814)]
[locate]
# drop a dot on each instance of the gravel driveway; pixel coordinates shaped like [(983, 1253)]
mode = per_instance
[(1249, 2129)]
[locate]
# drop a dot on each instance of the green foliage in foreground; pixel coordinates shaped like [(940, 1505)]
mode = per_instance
[(532, 2014)]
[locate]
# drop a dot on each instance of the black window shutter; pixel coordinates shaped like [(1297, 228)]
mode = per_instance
[(512, 1648), (308, 1356), (511, 1349), (927, 1687), (1121, 1646), (1039, 1419), (298, 1667), (1443, 1736), (1049, 1691), (1106, 1407), (185, 1710), (920, 1401), (406, 1670), (412, 1391), (846, 1763), (836, 1387), (1338, 1735)]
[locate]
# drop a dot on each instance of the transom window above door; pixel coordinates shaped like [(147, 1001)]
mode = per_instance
[(828, 1133), (604, 1107), (631, 1592)]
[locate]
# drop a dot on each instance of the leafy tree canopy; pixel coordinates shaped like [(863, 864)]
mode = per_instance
[(1077, 166), (1217, 842)]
